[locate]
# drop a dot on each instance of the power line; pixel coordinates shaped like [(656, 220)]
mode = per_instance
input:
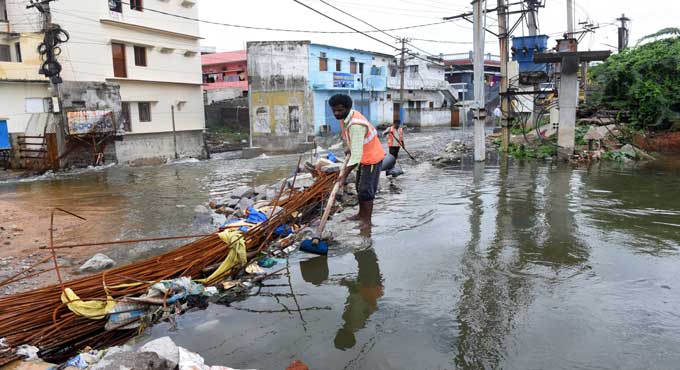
[(363, 33), (370, 25), (283, 29)]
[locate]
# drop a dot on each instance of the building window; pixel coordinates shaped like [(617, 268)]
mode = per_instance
[(323, 62), (413, 70), (136, 5), (17, 51), (3, 11), (294, 118), (116, 6), (144, 111), (125, 117), (352, 67), (389, 96), (140, 56), (361, 68), (210, 78), (4, 54), (431, 105), (119, 69), (338, 65)]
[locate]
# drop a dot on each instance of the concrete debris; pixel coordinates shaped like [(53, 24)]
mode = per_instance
[(260, 189), (457, 146), (302, 181), (245, 203), (133, 360), (98, 262), (201, 209), (242, 192), (634, 153), (333, 167), (161, 353), (165, 348)]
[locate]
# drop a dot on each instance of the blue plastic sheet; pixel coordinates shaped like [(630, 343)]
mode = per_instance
[(283, 230), (255, 216), (331, 157)]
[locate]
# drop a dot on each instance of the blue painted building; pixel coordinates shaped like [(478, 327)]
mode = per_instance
[(359, 74)]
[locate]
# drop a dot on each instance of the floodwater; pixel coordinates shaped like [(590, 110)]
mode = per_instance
[(520, 265)]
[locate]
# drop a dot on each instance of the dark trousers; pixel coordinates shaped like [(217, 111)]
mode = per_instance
[(394, 150), (368, 177)]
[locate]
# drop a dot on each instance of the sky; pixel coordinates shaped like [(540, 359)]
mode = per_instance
[(453, 37)]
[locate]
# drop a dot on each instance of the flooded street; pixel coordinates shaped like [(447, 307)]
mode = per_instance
[(519, 265)]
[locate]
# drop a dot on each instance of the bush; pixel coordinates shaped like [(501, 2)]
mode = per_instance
[(643, 81)]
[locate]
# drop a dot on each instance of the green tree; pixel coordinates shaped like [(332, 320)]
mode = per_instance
[(643, 82)]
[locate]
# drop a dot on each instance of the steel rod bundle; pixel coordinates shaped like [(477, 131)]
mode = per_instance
[(39, 318)]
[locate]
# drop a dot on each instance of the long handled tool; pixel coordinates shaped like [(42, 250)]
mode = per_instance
[(316, 244), (401, 144)]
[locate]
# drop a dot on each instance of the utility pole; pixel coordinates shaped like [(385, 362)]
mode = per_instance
[(532, 25), (479, 8), (623, 32), (402, 72), (51, 68), (503, 43), (570, 18)]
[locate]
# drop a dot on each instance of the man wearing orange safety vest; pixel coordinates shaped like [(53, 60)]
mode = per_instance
[(365, 151), (395, 139)]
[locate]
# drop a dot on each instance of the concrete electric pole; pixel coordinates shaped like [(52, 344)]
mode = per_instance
[(478, 14), (504, 50), (570, 18), (532, 25), (623, 32), (402, 71)]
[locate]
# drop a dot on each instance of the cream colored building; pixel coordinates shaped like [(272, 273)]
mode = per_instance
[(153, 57)]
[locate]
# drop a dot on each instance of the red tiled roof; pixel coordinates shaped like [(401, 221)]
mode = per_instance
[(243, 85), (226, 57)]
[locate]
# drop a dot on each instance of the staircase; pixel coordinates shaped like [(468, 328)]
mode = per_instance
[(33, 145)]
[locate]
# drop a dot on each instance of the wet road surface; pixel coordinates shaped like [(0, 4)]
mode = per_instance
[(520, 265)]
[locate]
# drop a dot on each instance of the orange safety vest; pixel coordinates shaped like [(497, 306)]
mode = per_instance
[(390, 138), (373, 150)]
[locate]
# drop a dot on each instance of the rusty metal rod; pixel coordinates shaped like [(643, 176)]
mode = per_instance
[(91, 244)]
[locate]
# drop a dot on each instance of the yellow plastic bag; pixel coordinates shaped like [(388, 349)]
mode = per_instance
[(95, 310)]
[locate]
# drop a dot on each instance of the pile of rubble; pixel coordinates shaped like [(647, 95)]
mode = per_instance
[(453, 153), (158, 354)]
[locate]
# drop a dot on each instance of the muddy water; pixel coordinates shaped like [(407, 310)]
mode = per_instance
[(503, 265)]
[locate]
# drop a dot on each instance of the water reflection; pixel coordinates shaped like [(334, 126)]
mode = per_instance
[(362, 301), (364, 291), (534, 227)]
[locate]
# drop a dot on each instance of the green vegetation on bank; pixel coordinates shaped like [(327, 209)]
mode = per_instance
[(642, 84)]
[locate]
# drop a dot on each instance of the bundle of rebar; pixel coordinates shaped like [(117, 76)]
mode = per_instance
[(39, 318)]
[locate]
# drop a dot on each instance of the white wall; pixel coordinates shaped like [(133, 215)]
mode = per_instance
[(215, 95), (13, 97), (188, 116), (430, 76), (427, 117), (169, 77)]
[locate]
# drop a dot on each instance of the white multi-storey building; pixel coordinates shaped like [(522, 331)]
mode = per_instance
[(137, 61)]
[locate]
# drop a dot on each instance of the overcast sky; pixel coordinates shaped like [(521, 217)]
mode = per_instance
[(647, 17)]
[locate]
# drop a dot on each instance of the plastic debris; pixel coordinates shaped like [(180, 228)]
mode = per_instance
[(267, 262), (29, 352)]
